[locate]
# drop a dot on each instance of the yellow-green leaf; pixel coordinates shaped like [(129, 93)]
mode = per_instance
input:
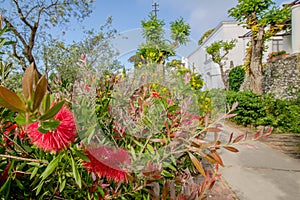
[(197, 164), (10, 100)]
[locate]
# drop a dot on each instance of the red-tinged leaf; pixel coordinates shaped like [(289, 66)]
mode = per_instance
[(270, 129), (229, 116), (232, 149), (265, 135), (172, 191), (212, 183), (250, 146), (239, 138), (257, 135), (213, 129), (206, 119), (230, 138), (27, 83), (52, 111), (217, 157), (207, 177), (10, 100), (228, 107), (235, 104), (39, 92), (165, 191), (197, 164)]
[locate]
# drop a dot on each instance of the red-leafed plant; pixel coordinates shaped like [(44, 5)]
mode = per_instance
[(149, 145)]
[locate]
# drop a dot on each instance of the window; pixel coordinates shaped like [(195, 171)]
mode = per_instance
[(277, 45)]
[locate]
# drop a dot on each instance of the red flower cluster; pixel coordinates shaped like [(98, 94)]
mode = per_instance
[(106, 162), (57, 139), (15, 130), (155, 94)]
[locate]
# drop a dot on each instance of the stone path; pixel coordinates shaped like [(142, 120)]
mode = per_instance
[(263, 174)]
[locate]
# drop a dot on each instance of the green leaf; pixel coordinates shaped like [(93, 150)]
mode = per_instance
[(100, 190), (62, 185), (81, 155), (6, 185), (39, 92), (168, 165), (50, 168), (42, 130), (20, 120), (10, 100), (19, 184), (165, 173), (150, 149), (76, 174), (27, 83), (34, 172), (50, 125), (52, 111), (39, 187)]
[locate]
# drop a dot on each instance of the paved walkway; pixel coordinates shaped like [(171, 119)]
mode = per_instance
[(263, 174)]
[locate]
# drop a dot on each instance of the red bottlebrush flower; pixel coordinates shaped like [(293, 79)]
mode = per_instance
[(107, 163), (57, 139)]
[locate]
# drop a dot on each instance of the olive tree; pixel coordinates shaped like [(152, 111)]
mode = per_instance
[(29, 20), (218, 51)]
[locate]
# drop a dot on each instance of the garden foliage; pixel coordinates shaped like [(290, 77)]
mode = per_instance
[(264, 110), (236, 78), (44, 155)]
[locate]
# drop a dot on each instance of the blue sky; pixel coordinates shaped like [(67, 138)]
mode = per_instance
[(127, 14)]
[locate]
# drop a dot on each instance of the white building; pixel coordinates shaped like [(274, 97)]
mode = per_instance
[(226, 31)]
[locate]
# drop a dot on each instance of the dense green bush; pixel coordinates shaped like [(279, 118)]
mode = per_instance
[(236, 78), (265, 110)]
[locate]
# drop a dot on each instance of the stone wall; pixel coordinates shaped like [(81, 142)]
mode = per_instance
[(282, 77)]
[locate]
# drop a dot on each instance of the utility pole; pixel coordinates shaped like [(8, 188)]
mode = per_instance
[(155, 8)]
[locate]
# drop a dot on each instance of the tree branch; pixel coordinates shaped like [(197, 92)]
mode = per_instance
[(22, 16)]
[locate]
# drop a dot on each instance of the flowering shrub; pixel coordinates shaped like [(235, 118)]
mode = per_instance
[(274, 54), (148, 145)]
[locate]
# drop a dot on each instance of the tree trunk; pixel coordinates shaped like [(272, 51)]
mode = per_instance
[(256, 71), (223, 76)]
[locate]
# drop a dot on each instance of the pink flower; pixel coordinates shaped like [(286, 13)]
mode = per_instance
[(107, 163), (187, 77), (58, 139)]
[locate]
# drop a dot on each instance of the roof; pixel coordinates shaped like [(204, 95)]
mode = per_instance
[(216, 30)]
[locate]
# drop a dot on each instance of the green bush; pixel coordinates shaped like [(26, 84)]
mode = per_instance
[(236, 78), (265, 110)]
